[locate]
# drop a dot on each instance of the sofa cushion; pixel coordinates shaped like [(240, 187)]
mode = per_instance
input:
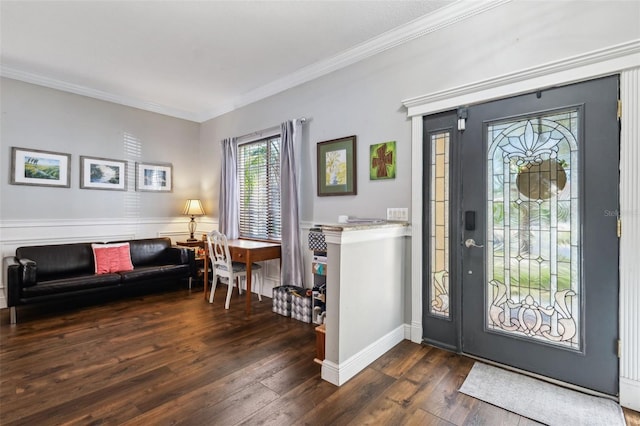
[(110, 258), (59, 259), (69, 284), (143, 273), (148, 251)]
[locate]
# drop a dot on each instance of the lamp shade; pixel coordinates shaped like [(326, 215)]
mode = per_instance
[(193, 208)]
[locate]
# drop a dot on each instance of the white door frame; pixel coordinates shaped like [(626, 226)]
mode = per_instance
[(623, 59)]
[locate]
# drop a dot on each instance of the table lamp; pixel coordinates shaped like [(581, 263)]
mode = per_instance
[(193, 208)]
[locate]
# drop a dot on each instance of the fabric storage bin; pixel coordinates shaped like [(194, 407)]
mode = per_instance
[(301, 308), (281, 307), (282, 297), (316, 240)]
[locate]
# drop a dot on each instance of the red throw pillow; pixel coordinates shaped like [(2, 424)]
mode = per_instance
[(110, 258)]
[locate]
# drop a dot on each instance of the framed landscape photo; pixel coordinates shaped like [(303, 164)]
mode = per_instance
[(103, 173), (337, 167), (40, 168), (154, 177)]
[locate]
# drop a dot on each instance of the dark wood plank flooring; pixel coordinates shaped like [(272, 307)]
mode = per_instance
[(172, 358)]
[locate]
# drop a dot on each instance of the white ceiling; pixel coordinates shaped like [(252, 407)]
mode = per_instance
[(199, 59)]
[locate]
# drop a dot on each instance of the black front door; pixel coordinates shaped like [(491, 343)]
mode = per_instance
[(532, 253)]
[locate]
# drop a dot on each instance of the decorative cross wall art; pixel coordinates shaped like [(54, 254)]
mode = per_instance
[(382, 164)]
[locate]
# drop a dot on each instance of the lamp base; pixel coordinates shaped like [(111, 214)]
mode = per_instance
[(192, 229)]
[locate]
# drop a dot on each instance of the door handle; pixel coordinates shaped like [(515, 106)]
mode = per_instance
[(472, 243)]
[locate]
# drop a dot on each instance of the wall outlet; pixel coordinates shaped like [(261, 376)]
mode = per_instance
[(398, 213)]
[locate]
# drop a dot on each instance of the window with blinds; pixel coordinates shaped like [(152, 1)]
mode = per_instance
[(258, 167)]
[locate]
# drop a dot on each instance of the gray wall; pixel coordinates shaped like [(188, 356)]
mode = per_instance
[(41, 118), (365, 98)]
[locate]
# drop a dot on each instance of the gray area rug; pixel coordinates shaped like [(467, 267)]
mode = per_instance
[(538, 400)]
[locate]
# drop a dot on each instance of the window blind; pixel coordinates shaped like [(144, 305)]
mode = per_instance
[(258, 168)]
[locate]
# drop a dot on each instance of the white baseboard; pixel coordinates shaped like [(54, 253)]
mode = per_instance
[(340, 374), (407, 332), (416, 332), (630, 393)]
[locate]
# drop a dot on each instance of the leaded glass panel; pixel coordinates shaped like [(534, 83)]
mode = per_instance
[(533, 282), (439, 225)]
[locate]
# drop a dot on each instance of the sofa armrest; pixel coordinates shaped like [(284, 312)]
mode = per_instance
[(182, 256), (14, 279), (29, 272), (175, 254), (22, 271)]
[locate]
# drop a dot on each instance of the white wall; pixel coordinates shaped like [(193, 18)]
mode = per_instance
[(365, 296)]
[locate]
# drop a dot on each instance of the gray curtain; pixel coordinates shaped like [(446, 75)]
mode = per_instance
[(229, 201), (291, 272)]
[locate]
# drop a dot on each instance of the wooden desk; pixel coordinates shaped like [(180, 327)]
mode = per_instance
[(247, 252)]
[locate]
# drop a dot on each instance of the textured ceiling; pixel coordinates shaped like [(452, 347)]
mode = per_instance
[(193, 59)]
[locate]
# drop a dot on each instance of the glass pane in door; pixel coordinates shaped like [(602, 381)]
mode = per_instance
[(533, 223), (439, 225)]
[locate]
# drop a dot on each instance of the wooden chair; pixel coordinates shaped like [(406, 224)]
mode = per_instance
[(225, 269)]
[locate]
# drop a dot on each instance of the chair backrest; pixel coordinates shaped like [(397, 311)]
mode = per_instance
[(219, 254)]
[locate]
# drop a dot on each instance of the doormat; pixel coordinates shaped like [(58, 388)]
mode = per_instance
[(538, 400)]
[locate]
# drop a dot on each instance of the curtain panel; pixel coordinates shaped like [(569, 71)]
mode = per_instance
[(229, 201), (292, 271)]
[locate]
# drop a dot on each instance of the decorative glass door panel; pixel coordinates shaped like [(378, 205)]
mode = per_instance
[(533, 239), (440, 274), (538, 255), (439, 225)]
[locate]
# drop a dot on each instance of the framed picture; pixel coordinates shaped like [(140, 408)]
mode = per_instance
[(337, 167), (154, 177), (103, 173), (40, 168), (382, 161)]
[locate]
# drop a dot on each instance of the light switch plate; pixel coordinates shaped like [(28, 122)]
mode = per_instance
[(398, 213)]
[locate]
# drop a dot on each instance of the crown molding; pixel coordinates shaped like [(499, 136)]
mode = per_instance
[(27, 77), (591, 64), (441, 18)]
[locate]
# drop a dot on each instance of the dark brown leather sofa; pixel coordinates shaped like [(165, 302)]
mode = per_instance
[(45, 273)]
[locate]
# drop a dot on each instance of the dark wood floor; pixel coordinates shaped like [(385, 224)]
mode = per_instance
[(172, 358)]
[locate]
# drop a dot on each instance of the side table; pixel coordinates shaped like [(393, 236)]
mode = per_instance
[(195, 245)]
